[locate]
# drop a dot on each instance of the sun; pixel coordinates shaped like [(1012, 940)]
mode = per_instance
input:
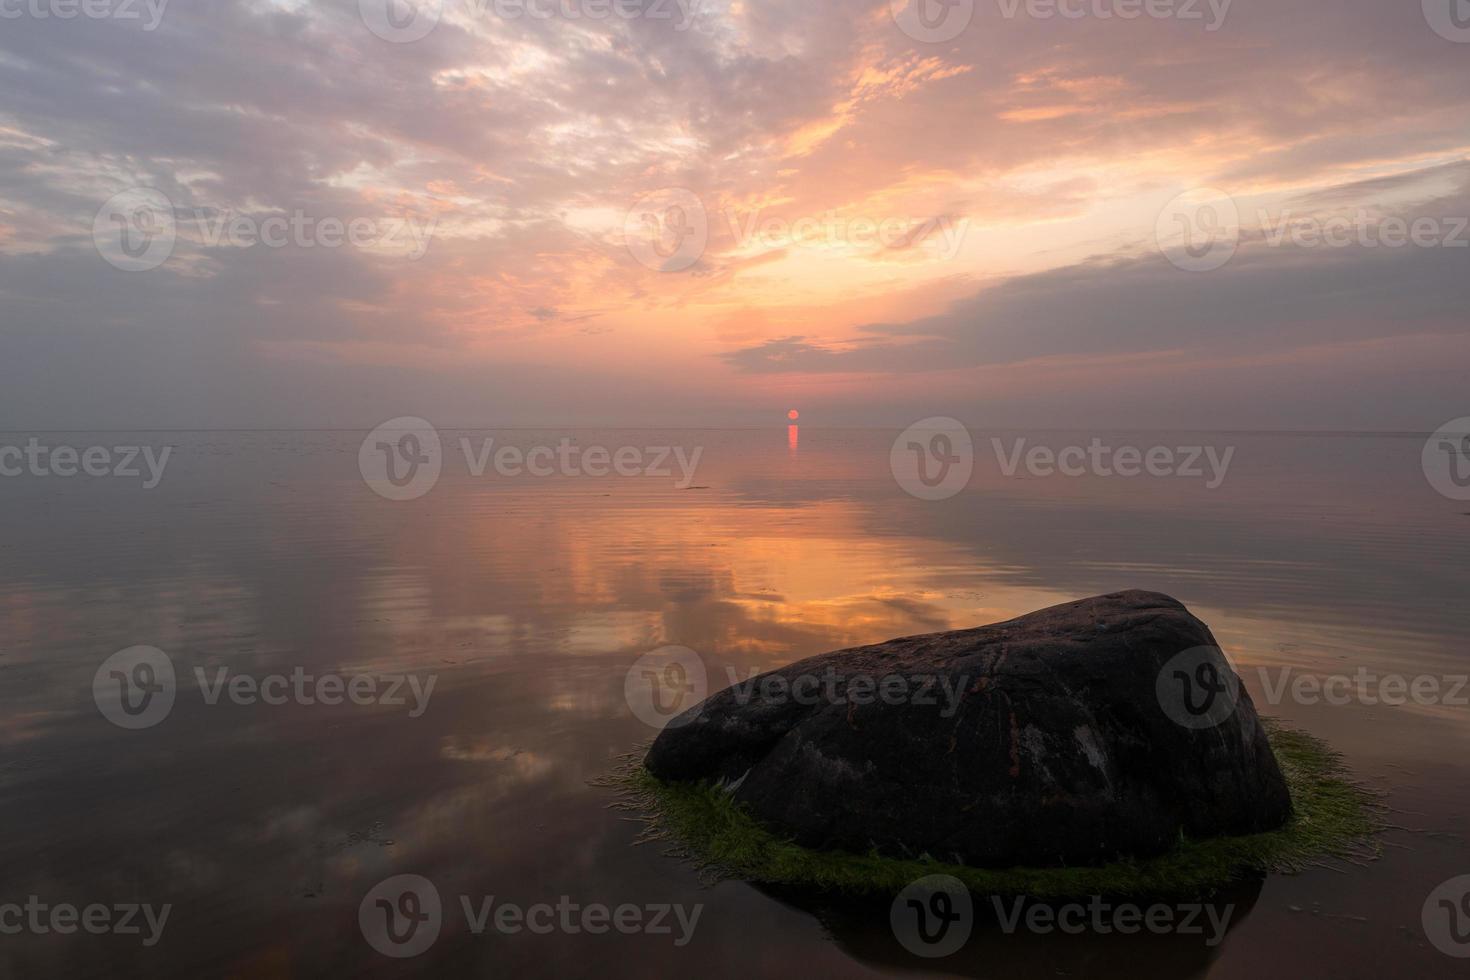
[(793, 415)]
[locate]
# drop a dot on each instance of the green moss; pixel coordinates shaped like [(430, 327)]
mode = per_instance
[(1335, 819)]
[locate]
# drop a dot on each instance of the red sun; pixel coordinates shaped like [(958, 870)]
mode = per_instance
[(793, 415)]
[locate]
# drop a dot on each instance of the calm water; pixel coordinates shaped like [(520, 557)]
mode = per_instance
[(528, 599)]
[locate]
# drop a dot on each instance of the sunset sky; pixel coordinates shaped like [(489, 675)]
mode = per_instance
[(894, 227)]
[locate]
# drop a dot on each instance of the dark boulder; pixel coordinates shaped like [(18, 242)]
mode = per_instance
[(1078, 734)]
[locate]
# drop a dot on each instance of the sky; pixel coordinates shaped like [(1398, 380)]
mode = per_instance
[(1114, 213)]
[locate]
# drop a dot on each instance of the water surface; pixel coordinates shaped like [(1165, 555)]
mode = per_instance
[(528, 599)]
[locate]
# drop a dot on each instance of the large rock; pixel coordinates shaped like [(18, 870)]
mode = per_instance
[(1078, 734)]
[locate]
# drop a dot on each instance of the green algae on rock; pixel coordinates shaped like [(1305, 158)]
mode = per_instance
[(1334, 818)]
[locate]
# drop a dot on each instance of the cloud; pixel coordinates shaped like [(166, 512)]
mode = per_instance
[(528, 140), (1271, 297)]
